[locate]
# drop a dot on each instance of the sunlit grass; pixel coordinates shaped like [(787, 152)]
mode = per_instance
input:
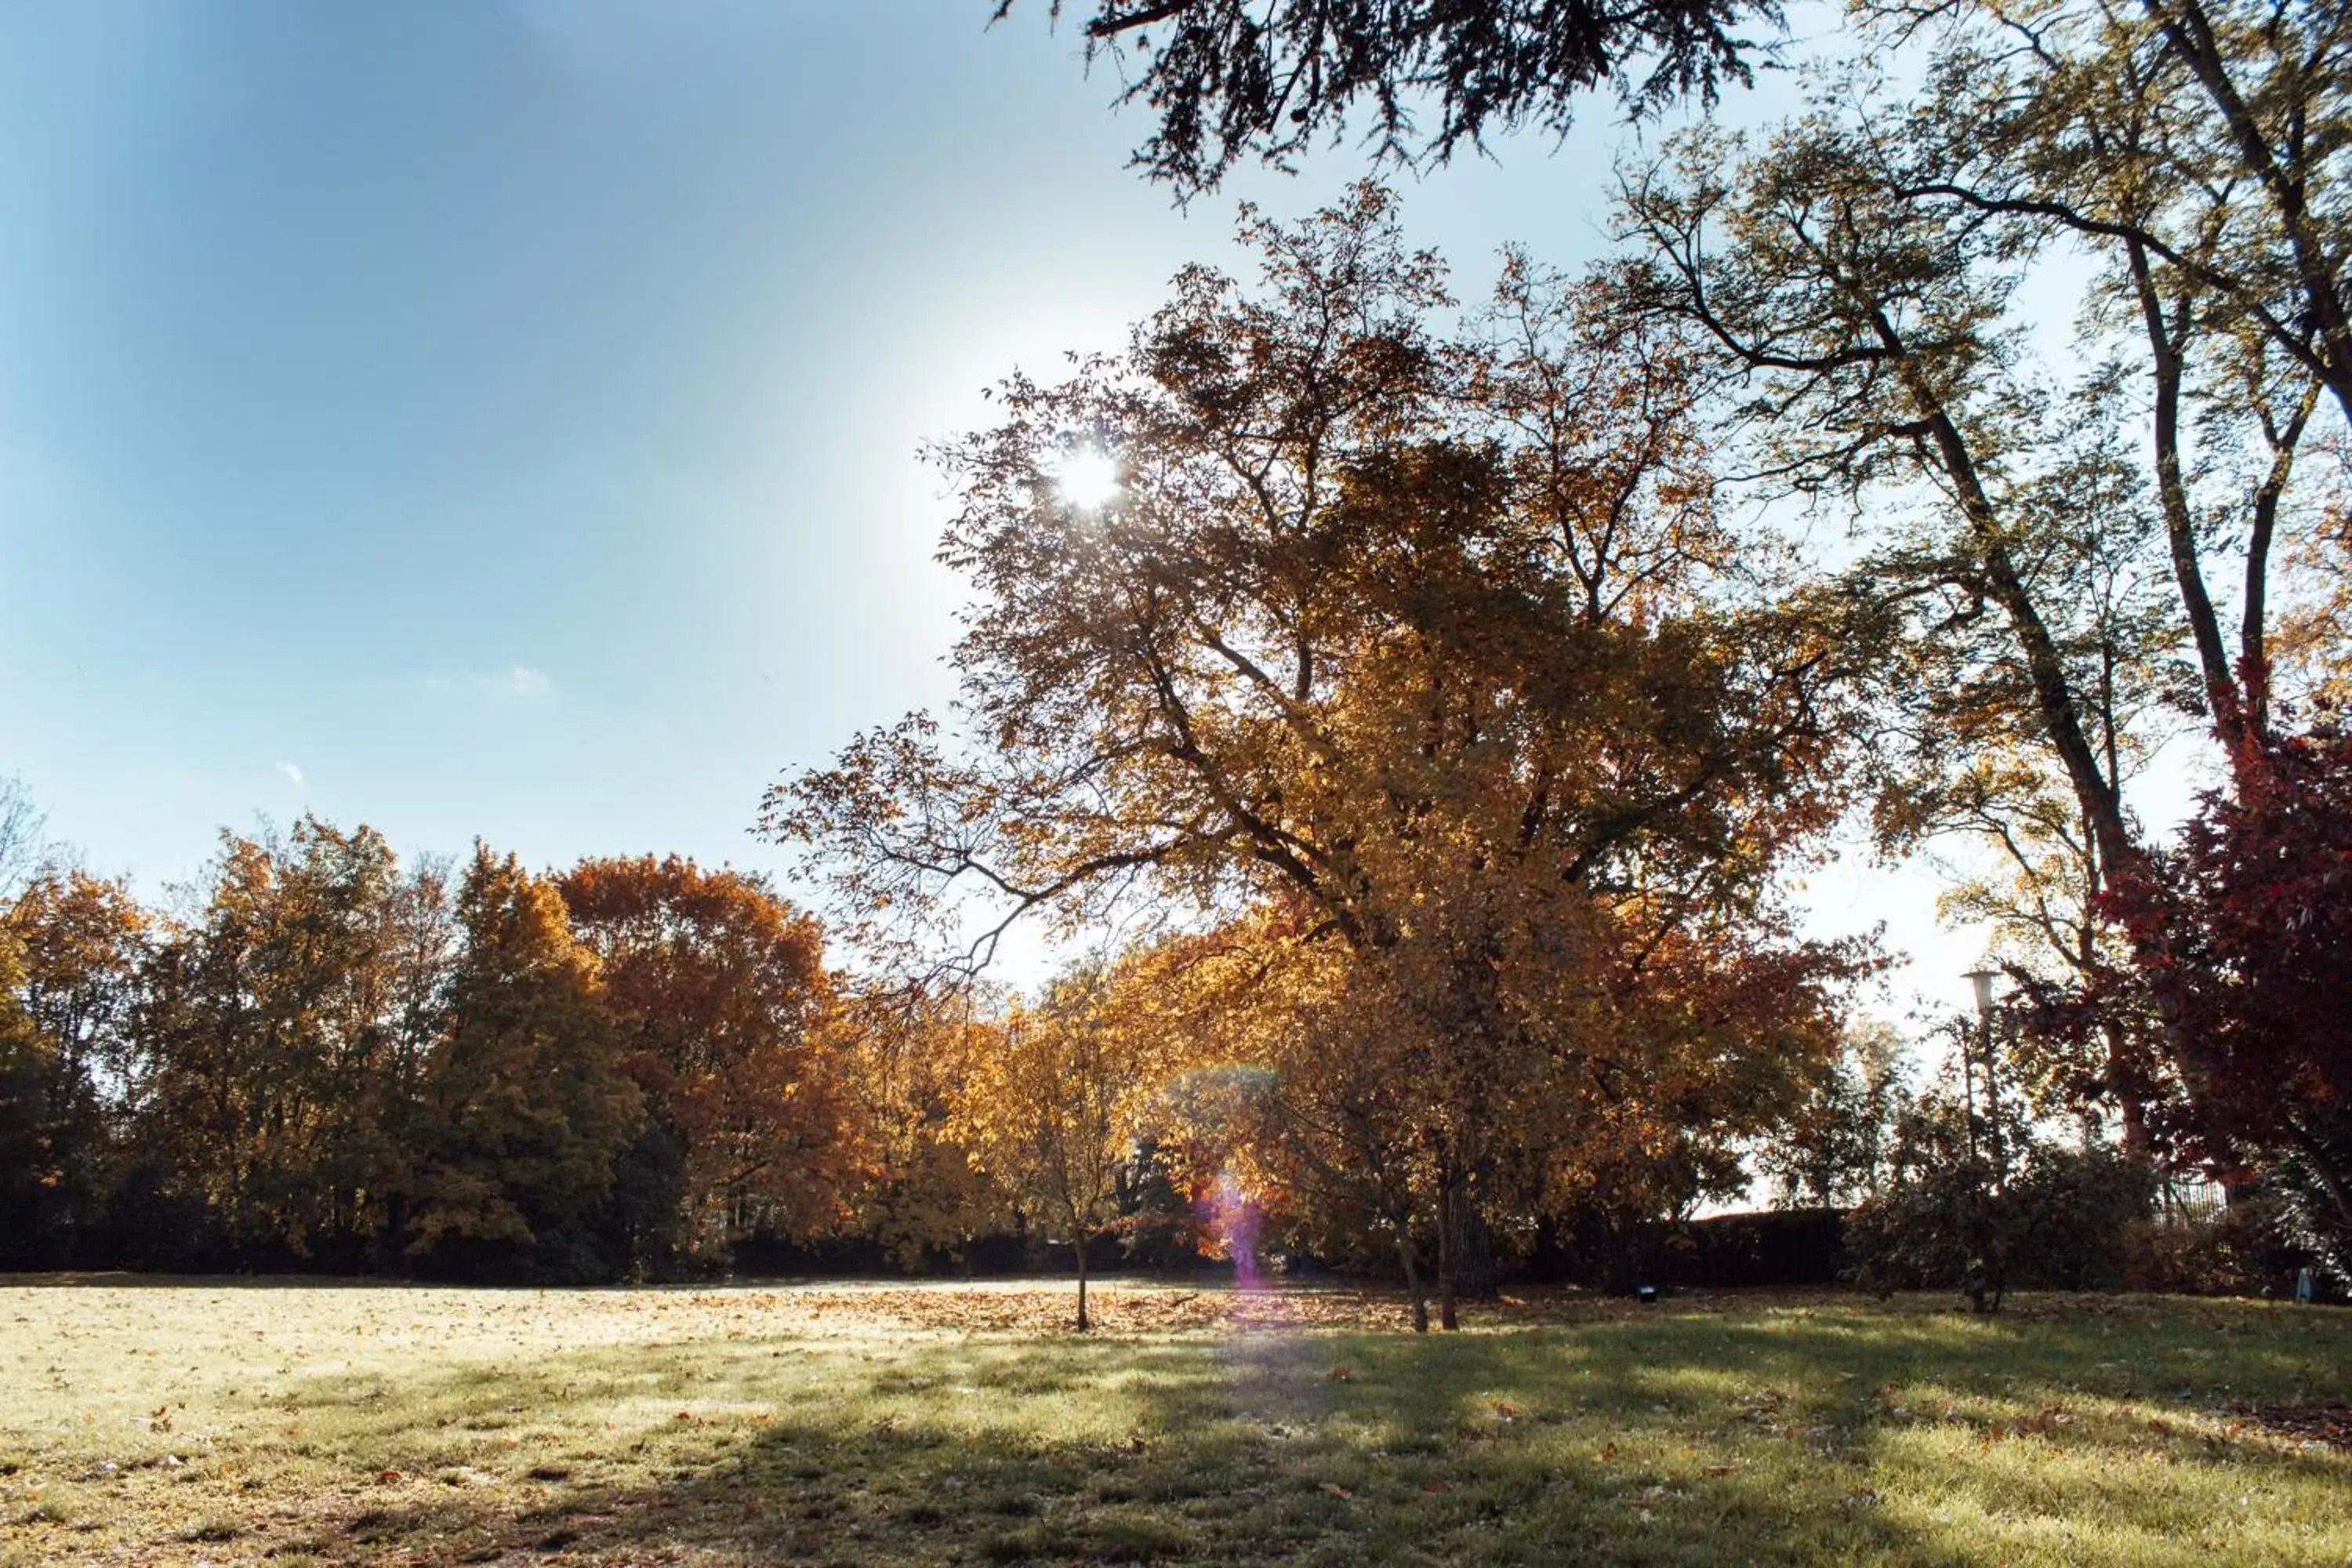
[(292, 1423)]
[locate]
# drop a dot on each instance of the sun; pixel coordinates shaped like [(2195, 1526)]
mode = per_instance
[(1087, 477)]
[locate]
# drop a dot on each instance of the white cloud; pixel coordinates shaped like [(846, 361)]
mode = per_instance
[(293, 774), (524, 681)]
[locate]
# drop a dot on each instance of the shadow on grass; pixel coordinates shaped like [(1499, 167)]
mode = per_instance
[(1276, 1464), (1829, 1433)]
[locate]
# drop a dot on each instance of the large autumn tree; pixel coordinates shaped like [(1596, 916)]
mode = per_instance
[(717, 989), (1438, 641)]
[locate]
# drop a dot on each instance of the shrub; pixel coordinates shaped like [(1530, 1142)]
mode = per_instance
[(2059, 1221), (2244, 1249)]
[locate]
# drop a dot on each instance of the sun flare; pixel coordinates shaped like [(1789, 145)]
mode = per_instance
[(1087, 477)]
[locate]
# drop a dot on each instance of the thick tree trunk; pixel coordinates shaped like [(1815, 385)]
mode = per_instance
[(2137, 1147), (1475, 1274)]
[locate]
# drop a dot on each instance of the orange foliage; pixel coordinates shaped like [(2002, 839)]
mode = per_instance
[(718, 991)]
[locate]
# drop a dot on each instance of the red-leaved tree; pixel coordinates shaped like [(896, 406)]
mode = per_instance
[(2243, 937)]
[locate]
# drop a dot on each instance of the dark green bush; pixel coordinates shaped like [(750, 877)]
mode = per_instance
[(2245, 1249), (2057, 1219)]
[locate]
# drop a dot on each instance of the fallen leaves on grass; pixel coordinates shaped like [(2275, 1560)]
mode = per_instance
[(2329, 1425)]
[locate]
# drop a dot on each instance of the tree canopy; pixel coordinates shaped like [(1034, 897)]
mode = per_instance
[(1230, 79), (1431, 649)]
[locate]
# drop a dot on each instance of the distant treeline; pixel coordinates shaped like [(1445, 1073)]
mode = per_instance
[(327, 1060), (321, 1059)]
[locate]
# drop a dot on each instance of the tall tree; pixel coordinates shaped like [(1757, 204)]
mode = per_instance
[(718, 990), (71, 950), (1438, 643), (269, 1044), (526, 1107), (1861, 282)]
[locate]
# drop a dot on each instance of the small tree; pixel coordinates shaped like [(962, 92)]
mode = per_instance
[(1048, 1105), (1975, 1196), (1838, 1142)]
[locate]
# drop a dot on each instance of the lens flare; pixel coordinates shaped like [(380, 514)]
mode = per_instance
[(1087, 477), (1233, 1220)]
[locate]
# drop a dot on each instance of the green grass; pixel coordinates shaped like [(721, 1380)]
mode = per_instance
[(298, 1423)]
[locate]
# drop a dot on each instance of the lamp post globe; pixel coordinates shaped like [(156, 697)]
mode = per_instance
[(1982, 977)]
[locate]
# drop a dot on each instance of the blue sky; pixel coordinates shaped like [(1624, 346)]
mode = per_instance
[(502, 419)]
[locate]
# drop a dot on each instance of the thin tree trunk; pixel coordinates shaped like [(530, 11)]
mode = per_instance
[(1447, 1317), (1085, 1323), (1413, 1276)]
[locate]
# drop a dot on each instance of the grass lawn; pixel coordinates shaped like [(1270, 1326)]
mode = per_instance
[(293, 1423)]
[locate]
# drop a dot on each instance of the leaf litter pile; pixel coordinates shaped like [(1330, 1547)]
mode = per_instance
[(293, 1423), (2328, 1424)]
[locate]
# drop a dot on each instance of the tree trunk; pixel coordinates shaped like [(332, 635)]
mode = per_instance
[(1085, 1322), (1413, 1276), (1448, 1318), (2137, 1146), (1474, 1275)]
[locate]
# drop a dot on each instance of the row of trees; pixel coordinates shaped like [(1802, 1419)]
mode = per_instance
[(319, 1058)]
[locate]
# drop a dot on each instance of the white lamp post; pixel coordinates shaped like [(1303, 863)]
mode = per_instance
[(1982, 977)]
